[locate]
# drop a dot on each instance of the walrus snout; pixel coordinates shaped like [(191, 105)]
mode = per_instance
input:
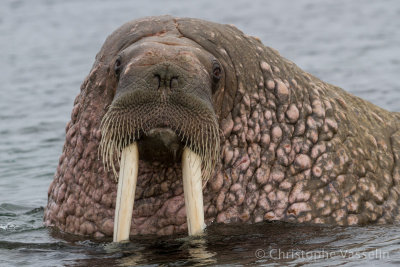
[(163, 77)]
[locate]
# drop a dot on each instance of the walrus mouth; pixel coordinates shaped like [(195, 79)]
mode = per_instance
[(181, 124)]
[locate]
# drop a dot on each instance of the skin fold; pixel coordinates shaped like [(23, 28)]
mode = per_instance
[(288, 146)]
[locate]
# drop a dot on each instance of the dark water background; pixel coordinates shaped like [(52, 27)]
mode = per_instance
[(46, 50)]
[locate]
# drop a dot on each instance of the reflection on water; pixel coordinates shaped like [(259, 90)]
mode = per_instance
[(47, 49)]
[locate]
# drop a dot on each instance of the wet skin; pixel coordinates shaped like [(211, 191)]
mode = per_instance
[(289, 146)]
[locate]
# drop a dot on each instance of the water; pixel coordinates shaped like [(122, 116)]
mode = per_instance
[(47, 49)]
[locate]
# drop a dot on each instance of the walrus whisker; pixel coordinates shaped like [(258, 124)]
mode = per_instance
[(118, 132)]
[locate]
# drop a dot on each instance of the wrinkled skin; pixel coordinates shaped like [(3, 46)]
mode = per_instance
[(293, 147)]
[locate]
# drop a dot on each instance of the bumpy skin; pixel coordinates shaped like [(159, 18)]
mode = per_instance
[(293, 147)]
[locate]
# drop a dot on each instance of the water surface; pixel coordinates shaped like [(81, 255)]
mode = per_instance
[(47, 49)]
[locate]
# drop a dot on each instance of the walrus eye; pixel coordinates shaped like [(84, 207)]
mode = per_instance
[(118, 66), (216, 72)]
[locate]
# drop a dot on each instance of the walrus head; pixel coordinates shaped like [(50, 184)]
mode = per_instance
[(163, 100), (164, 84)]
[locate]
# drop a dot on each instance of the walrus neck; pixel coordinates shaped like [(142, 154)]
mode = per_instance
[(271, 140)]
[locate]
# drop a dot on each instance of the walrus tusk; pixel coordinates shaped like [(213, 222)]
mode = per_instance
[(192, 188), (126, 192)]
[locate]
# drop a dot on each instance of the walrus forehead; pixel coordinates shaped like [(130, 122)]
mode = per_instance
[(156, 49), (169, 39)]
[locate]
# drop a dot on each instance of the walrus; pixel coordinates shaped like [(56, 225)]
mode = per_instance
[(274, 142)]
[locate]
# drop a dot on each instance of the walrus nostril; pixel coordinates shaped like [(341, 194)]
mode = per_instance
[(173, 83), (157, 81)]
